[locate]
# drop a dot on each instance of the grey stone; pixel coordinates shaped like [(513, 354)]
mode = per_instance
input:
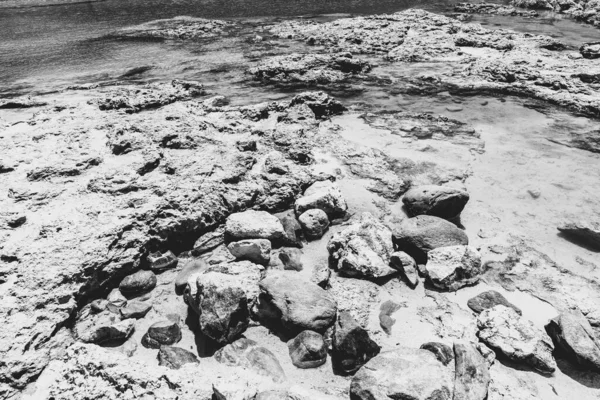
[(138, 283), (135, 309), (253, 225), (189, 269), (440, 201), (407, 266), (471, 377), (103, 327), (175, 357), (308, 350), (247, 354), (351, 346), (162, 262), (255, 250), (323, 195), (441, 351), (453, 267), (314, 223), (489, 299), (161, 333)]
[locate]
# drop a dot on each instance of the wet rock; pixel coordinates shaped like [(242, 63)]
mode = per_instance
[(385, 315), (314, 223), (351, 346), (253, 225), (441, 351), (489, 299), (135, 309), (453, 267), (504, 330), (102, 327), (590, 50), (255, 250), (291, 227), (160, 334), (308, 350), (472, 378), (418, 235), (209, 241), (321, 104), (190, 269), (572, 333), (363, 249), (116, 300), (402, 373), (407, 266), (162, 262), (587, 232), (138, 283), (296, 303), (323, 195), (247, 354), (223, 306), (440, 201), (175, 357), (291, 258)]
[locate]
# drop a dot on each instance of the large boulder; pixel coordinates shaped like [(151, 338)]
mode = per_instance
[(440, 201), (255, 250), (407, 266), (308, 350), (363, 249), (573, 334), (489, 299), (175, 357), (471, 376), (247, 354), (322, 195), (403, 373), (502, 329), (586, 232), (453, 267), (138, 283), (102, 327), (223, 306), (351, 345), (295, 302), (253, 225), (417, 236), (162, 333), (314, 223)]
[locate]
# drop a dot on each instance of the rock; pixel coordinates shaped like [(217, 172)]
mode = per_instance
[(160, 334), (453, 267), (115, 301), (292, 229), (138, 283), (175, 357), (275, 163), (308, 350), (98, 305), (246, 145), (572, 333), (363, 250), (590, 50), (161, 262), (407, 266), (190, 269), (103, 327), (135, 309), (493, 9), (489, 299), (441, 351), (502, 329), (440, 201), (296, 303), (587, 232), (402, 373), (321, 275), (180, 28), (472, 378), (325, 196), (291, 258), (488, 354), (418, 235), (255, 250), (253, 225), (209, 241), (314, 223), (351, 346), (385, 315), (320, 103), (247, 354), (223, 306)]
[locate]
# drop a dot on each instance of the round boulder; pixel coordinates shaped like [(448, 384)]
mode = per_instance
[(160, 334), (440, 201), (308, 350), (314, 223), (138, 283)]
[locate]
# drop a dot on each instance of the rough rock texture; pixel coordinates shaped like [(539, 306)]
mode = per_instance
[(590, 50), (292, 229), (582, 10), (418, 235), (247, 354), (441, 351), (587, 232), (403, 373), (255, 250), (571, 332), (296, 303), (492, 8), (175, 357), (489, 299), (140, 282), (472, 377), (504, 330), (453, 267), (407, 265), (440, 201), (323, 195), (174, 28), (161, 262), (223, 306), (363, 250), (308, 350), (253, 225), (309, 69), (190, 269), (102, 327), (162, 333), (351, 345), (314, 223)]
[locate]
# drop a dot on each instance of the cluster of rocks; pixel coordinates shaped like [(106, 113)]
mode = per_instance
[(583, 10), (493, 9)]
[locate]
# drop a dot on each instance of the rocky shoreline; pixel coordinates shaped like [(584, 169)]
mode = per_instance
[(158, 242)]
